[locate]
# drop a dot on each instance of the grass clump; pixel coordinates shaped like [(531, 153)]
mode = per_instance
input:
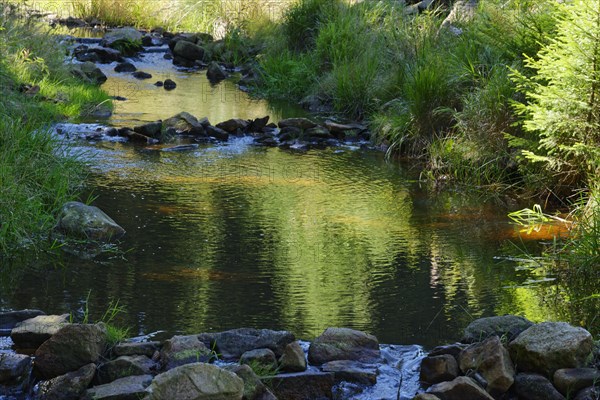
[(36, 176)]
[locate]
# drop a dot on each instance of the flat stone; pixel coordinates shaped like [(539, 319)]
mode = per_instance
[(506, 325), (217, 133), (300, 123), (9, 319), (233, 343), (343, 344), (352, 371), (31, 333), (590, 393), (302, 386), (13, 366), (436, 369), (129, 388), (136, 349), (571, 380), (461, 388), (233, 125), (535, 387), (262, 358), (142, 75)]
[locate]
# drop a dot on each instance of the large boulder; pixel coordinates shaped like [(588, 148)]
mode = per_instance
[(69, 349), (461, 388), (293, 358), (571, 380), (535, 387), (129, 388), (491, 359), (31, 333), (343, 344), (124, 366), (302, 386), (9, 319), (67, 387), (181, 350), (188, 50), (233, 343), (196, 381), (13, 366), (549, 346), (300, 123), (88, 222), (436, 369), (509, 326)]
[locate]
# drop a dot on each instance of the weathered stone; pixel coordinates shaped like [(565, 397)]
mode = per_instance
[(197, 381), (254, 389), (352, 371), (262, 358), (300, 123), (69, 349), (590, 393), (461, 388), (31, 333), (506, 325), (151, 129), (169, 84), (181, 147), (141, 75), (217, 133), (452, 349), (289, 133), (9, 319), (129, 388), (67, 387), (343, 344), (293, 358), (426, 396), (233, 343), (215, 72), (124, 366), (184, 123), (233, 125), (549, 346), (88, 72), (258, 124), (136, 349), (342, 128), (301, 386), (571, 380), (318, 132), (188, 50), (535, 387), (13, 366), (125, 67), (438, 369), (128, 40), (89, 222), (181, 350), (492, 361)]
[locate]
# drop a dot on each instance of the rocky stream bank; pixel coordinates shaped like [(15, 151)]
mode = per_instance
[(506, 357)]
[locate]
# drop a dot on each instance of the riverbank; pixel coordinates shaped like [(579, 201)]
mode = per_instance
[(496, 357), (37, 90)]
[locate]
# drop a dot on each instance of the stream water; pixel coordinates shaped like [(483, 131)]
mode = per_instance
[(236, 235)]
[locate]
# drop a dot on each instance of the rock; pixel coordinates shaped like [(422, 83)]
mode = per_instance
[(549, 346), (233, 343), (340, 129), (69, 349), (571, 380), (159, 84), (343, 344), (129, 388), (67, 387), (184, 62), (289, 133), (492, 361), (147, 41), (461, 388), (87, 222), (293, 358), (181, 350), (300, 123), (142, 75), (318, 132), (590, 393), (302, 385), (260, 358), (197, 381), (182, 147), (188, 50), (426, 396), (258, 124), (9, 319), (88, 72), (217, 133), (125, 67), (151, 129), (169, 84), (137, 137), (254, 389), (535, 387), (507, 325), (124, 366), (233, 125), (452, 349), (215, 72), (438, 369), (87, 56), (106, 56), (31, 333), (128, 40), (184, 123), (352, 371), (462, 12), (13, 366)]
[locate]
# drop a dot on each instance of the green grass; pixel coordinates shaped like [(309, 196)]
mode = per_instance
[(36, 177)]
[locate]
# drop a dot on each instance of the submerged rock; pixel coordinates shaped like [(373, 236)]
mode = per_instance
[(198, 381), (87, 222), (343, 344), (31, 333), (352, 371), (169, 84), (142, 75)]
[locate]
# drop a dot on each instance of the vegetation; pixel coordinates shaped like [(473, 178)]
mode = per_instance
[(36, 176)]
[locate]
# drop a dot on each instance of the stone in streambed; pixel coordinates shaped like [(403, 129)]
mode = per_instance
[(436, 369), (68, 386), (217, 133), (254, 389), (233, 125), (188, 50), (87, 222), (570, 380), (302, 386), (233, 343), (136, 349), (180, 350), (535, 387), (129, 388), (215, 72), (262, 358), (13, 366), (293, 358), (124, 366), (31, 333), (509, 326), (125, 67), (142, 75), (461, 388), (343, 344), (300, 123), (88, 72)]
